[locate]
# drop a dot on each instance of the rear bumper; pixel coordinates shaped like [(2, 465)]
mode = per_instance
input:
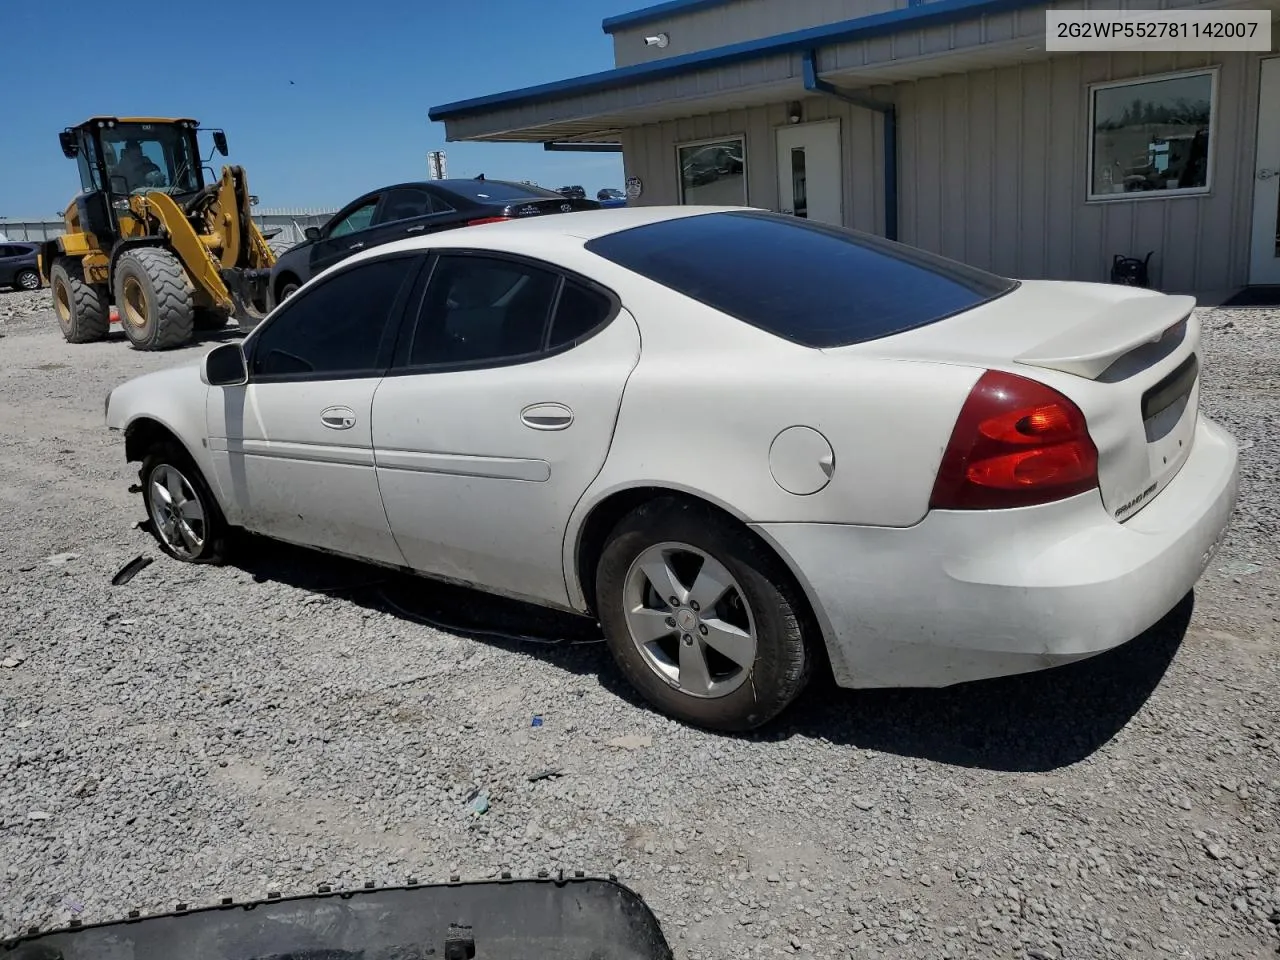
[(967, 595)]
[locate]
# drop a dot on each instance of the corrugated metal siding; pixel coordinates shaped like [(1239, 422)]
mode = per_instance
[(992, 170), (649, 152), (735, 22)]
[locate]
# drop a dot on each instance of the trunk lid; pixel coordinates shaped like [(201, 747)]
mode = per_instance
[(538, 206), (1129, 358)]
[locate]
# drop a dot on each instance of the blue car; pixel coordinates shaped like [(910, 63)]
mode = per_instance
[(609, 197), (18, 265)]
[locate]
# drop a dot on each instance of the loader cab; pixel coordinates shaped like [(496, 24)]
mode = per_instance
[(120, 157)]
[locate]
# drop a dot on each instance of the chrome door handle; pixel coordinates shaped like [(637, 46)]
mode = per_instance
[(356, 246), (1265, 174), (546, 416), (338, 418), (418, 229)]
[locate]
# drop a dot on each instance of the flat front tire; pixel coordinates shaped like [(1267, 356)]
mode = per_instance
[(702, 619), (83, 309), (155, 298), (184, 514)]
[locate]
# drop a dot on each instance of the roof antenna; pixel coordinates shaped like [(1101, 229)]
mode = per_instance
[(480, 176)]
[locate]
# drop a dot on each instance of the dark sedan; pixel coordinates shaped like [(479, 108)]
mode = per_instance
[(18, 267), (410, 210)]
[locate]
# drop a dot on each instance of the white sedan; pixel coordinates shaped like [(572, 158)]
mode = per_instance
[(746, 443)]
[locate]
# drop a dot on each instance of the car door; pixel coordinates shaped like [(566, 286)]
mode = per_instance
[(348, 233), (497, 414), (293, 447), (9, 259), (410, 211)]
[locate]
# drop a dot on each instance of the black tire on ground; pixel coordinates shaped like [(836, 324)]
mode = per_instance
[(83, 309), (209, 319), (26, 280), (783, 662), (154, 297), (216, 533)]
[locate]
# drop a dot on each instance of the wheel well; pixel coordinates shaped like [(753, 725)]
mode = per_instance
[(607, 514), (285, 277), (143, 434)]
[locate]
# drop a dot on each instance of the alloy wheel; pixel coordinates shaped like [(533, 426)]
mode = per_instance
[(176, 511), (690, 620)]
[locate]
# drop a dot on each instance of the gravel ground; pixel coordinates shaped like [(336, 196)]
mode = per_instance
[(203, 732)]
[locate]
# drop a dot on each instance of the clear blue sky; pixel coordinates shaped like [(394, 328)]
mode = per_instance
[(364, 74)]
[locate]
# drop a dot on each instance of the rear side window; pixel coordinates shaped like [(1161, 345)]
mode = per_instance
[(579, 311), (482, 310), (810, 283), (335, 329)]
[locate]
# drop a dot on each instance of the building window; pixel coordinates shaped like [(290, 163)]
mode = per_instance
[(713, 172), (1152, 137)]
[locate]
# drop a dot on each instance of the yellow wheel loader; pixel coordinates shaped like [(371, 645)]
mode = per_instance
[(173, 253)]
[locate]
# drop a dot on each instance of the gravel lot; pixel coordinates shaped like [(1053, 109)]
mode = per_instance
[(287, 722)]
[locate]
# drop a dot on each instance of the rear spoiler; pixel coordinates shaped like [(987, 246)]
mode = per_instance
[(1089, 348)]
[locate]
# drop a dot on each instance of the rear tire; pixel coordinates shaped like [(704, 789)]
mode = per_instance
[(154, 296), (755, 614), (26, 280), (185, 517), (83, 309)]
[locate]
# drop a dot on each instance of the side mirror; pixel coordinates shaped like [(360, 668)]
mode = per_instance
[(311, 233), (225, 366), (220, 142), (70, 149)]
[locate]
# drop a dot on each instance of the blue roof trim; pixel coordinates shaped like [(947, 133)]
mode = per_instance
[(672, 8), (861, 28)]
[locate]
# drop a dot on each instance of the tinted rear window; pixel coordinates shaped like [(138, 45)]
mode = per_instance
[(813, 284), (499, 191)]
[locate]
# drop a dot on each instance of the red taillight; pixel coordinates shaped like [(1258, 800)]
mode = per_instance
[(476, 223), (1016, 443)]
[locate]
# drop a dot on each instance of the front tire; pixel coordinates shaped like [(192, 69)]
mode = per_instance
[(703, 620), (155, 298), (288, 287), (83, 309), (26, 280), (185, 517)]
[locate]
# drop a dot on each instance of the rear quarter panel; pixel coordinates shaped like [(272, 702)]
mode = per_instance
[(710, 394)]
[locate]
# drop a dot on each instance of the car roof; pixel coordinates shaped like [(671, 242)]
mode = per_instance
[(447, 183), (540, 233)]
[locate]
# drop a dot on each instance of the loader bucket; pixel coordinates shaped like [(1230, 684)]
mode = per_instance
[(542, 919)]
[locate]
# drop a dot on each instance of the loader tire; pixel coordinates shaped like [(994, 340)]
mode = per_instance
[(154, 297), (83, 309)]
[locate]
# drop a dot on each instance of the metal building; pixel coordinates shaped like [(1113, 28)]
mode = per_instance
[(941, 123)]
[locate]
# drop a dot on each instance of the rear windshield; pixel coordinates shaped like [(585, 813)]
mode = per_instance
[(812, 284), (499, 191)]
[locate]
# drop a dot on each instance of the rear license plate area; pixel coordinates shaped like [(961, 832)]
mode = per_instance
[(1164, 404)]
